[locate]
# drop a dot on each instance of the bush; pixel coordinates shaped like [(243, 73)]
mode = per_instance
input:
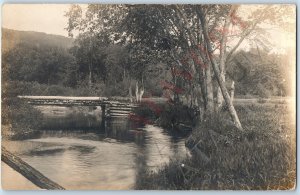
[(172, 115), (16, 113), (118, 89), (263, 92), (21, 116)]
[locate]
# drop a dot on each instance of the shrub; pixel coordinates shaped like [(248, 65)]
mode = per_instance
[(117, 89), (263, 92), (16, 113), (22, 116), (174, 114)]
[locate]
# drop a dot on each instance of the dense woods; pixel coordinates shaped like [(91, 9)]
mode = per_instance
[(66, 67)]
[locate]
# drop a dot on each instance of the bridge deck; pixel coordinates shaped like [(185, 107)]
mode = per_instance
[(68, 100), (111, 107), (63, 98)]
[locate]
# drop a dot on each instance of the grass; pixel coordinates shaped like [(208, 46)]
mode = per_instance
[(19, 119), (262, 157)]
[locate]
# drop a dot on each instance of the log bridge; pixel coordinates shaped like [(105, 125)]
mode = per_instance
[(111, 107)]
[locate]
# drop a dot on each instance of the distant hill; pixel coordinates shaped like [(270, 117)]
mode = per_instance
[(10, 38)]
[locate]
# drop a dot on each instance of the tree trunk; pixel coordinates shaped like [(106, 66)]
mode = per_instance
[(137, 92), (232, 91), (222, 55), (220, 80), (130, 93), (90, 77), (191, 40), (209, 92), (202, 105), (141, 93), (202, 87), (27, 171), (219, 97)]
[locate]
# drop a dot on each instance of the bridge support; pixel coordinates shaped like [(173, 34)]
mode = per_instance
[(103, 109)]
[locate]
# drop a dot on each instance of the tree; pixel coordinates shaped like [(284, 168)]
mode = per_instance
[(191, 39), (44, 64), (89, 52), (252, 28), (168, 31), (259, 73)]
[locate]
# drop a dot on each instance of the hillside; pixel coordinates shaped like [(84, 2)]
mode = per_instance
[(10, 38)]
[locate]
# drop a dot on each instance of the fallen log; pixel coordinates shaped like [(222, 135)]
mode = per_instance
[(27, 171)]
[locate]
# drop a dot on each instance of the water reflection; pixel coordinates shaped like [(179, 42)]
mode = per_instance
[(110, 158)]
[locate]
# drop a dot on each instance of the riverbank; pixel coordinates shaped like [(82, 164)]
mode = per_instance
[(9, 134), (261, 157)]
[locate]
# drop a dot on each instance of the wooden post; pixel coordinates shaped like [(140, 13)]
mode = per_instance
[(103, 107), (29, 172)]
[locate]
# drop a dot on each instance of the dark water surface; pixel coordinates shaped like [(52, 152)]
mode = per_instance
[(110, 158)]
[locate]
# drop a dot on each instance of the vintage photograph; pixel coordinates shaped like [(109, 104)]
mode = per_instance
[(148, 97)]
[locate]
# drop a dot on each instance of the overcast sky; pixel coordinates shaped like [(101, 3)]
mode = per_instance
[(49, 18)]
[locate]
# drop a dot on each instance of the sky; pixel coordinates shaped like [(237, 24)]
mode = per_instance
[(49, 18)]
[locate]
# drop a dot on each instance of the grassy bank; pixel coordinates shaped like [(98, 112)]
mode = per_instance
[(261, 157), (19, 119)]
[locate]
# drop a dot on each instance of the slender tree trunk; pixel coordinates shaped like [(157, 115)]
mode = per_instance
[(223, 42), (209, 92), (137, 92), (232, 88), (202, 105), (220, 80), (203, 88), (130, 92), (219, 97), (90, 63), (142, 90), (90, 77)]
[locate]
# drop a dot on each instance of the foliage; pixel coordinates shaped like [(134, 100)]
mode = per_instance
[(173, 115), (89, 53), (121, 44), (15, 88), (171, 34), (259, 73), (20, 116), (43, 64)]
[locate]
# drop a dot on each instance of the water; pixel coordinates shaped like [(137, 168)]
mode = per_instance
[(110, 158)]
